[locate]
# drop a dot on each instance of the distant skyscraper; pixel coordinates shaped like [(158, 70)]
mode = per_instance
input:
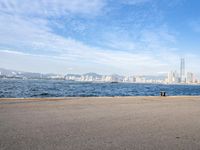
[(182, 70), (173, 77), (190, 78)]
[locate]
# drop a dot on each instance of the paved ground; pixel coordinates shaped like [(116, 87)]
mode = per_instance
[(100, 123)]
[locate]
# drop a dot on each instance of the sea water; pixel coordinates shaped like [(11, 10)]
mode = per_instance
[(61, 88)]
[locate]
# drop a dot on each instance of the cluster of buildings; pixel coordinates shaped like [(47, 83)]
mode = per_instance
[(182, 77), (173, 77), (93, 77)]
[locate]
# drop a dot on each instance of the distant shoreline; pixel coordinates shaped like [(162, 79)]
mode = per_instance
[(102, 81)]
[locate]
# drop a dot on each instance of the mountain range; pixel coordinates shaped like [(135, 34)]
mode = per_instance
[(7, 73)]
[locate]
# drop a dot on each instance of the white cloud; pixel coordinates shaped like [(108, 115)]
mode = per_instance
[(135, 2), (159, 38), (47, 8), (37, 43), (96, 61)]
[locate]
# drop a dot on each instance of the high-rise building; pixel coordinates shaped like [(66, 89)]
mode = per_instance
[(182, 70), (190, 77), (173, 77)]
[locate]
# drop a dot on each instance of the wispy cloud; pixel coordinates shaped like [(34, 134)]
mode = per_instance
[(48, 8), (135, 2)]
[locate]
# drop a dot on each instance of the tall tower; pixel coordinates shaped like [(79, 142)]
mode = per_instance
[(182, 70)]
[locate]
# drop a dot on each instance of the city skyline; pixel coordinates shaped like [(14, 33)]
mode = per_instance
[(104, 36), (173, 77), (184, 76)]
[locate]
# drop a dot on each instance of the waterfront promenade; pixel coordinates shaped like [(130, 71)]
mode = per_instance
[(100, 123)]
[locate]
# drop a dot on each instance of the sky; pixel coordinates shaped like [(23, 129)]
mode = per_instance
[(104, 36)]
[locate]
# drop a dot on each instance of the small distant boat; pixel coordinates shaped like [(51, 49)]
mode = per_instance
[(114, 82)]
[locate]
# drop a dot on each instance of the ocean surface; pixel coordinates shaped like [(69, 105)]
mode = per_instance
[(53, 88)]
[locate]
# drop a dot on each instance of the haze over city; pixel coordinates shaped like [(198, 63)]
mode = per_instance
[(103, 36)]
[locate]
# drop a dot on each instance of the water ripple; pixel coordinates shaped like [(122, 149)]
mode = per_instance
[(54, 88)]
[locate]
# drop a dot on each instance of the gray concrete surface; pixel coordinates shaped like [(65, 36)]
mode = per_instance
[(100, 123)]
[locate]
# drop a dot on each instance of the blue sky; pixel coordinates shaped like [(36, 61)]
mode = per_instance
[(104, 36)]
